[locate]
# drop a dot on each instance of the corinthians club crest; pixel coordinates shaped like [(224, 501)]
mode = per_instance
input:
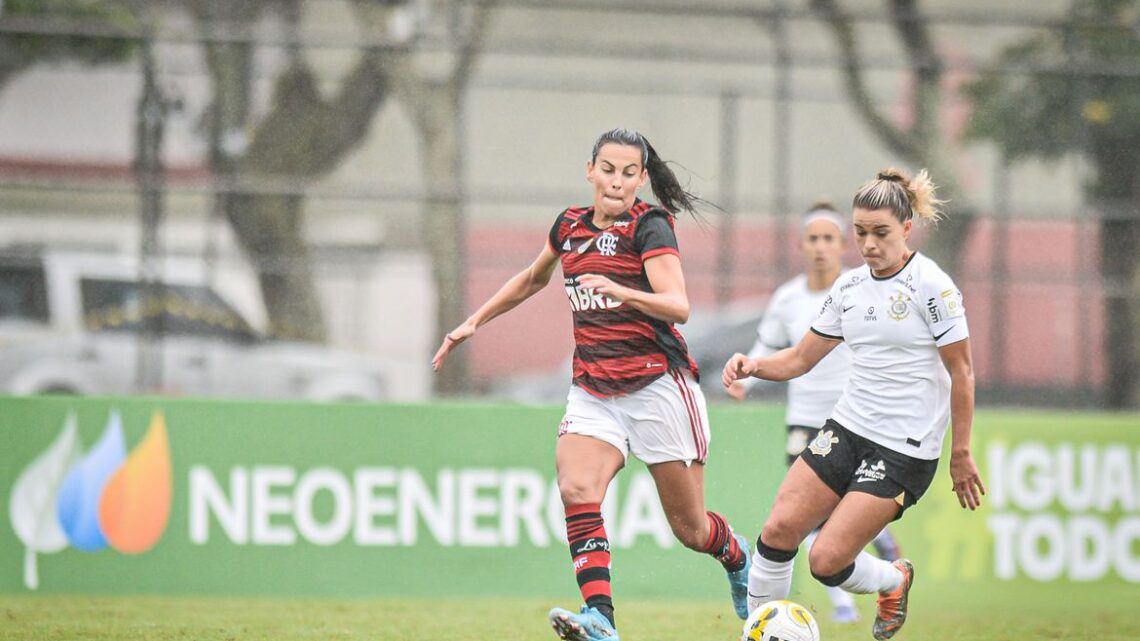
[(821, 445), (898, 308)]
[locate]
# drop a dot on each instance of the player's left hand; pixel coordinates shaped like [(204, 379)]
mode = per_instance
[(967, 481), (451, 340), (604, 286)]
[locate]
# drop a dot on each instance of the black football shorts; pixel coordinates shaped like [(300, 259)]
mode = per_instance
[(847, 462)]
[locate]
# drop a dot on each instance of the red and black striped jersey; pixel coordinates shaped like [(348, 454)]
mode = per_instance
[(618, 349)]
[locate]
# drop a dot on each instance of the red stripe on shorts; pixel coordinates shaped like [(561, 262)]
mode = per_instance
[(694, 414)]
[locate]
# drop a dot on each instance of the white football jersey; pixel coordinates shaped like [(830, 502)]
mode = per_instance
[(789, 316), (898, 394)]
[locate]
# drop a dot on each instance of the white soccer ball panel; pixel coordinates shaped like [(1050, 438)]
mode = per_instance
[(780, 620)]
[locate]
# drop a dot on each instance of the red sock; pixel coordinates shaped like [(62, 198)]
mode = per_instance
[(722, 544), (590, 550)]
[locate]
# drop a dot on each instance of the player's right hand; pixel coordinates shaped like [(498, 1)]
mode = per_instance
[(450, 341), (737, 390), (735, 369)]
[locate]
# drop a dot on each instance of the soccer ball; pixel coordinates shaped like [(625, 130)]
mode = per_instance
[(780, 621)]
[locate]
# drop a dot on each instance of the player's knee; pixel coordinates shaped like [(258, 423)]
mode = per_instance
[(577, 492), (826, 561), (780, 534)]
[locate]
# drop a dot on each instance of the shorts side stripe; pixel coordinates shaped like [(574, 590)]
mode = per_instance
[(694, 414), (704, 442)]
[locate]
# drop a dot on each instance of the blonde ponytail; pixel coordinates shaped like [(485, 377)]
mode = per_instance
[(906, 197)]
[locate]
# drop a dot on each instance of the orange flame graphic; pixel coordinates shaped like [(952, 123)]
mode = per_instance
[(135, 505)]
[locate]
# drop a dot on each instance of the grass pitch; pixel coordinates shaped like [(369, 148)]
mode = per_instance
[(1105, 614)]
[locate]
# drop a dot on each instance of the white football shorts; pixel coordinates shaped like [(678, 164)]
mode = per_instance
[(663, 421)]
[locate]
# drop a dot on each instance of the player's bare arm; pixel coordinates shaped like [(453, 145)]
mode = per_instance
[(784, 365), (668, 301), (520, 287), (963, 472)]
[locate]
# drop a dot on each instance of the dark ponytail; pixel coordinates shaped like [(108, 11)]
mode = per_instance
[(669, 192), (666, 188)]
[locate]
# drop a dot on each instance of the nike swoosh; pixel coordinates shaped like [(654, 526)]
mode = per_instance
[(944, 333), (847, 309)]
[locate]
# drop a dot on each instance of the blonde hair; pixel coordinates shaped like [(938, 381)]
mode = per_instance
[(906, 197)]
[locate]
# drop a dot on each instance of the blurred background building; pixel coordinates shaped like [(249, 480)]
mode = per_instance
[(298, 198)]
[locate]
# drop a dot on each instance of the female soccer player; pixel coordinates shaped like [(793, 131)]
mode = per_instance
[(793, 307), (912, 372), (634, 388)]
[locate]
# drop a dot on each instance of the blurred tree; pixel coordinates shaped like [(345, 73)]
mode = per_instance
[(435, 101), (264, 166), (925, 143), (1076, 89), (20, 51), (304, 136)]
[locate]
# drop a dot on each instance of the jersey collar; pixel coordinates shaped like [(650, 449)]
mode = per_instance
[(901, 269)]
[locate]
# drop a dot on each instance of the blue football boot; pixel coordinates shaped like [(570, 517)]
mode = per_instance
[(738, 580), (587, 625)]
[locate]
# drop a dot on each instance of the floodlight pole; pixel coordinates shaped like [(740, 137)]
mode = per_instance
[(150, 124)]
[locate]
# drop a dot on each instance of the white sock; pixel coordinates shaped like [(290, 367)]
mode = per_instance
[(768, 580), (840, 598), (872, 575), (885, 545)]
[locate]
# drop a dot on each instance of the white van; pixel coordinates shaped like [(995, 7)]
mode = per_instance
[(72, 322)]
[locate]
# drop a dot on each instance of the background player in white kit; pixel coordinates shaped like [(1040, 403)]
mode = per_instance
[(912, 373), (791, 310)]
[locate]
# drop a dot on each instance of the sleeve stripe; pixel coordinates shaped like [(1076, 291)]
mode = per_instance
[(660, 250), (827, 336)]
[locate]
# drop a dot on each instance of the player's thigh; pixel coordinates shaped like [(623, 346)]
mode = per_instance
[(802, 503), (853, 524), (586, 465), (592, 447)]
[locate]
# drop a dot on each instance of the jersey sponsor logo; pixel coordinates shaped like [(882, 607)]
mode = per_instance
[(584, 299), (821, 446), (870, 315), (932, 309), (854, 281), (953, 301), (899, 309), (875, 472), (621, 223), (607, 244), (564, 426), (651, 365)]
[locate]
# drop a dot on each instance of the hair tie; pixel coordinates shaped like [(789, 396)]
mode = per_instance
[(895, 178)]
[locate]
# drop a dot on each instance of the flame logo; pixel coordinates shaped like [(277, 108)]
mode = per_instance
[(105, 498)]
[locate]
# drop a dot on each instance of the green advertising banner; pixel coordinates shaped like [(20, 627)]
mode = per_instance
[(161, 496), (207, 497), (1063, 505)]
